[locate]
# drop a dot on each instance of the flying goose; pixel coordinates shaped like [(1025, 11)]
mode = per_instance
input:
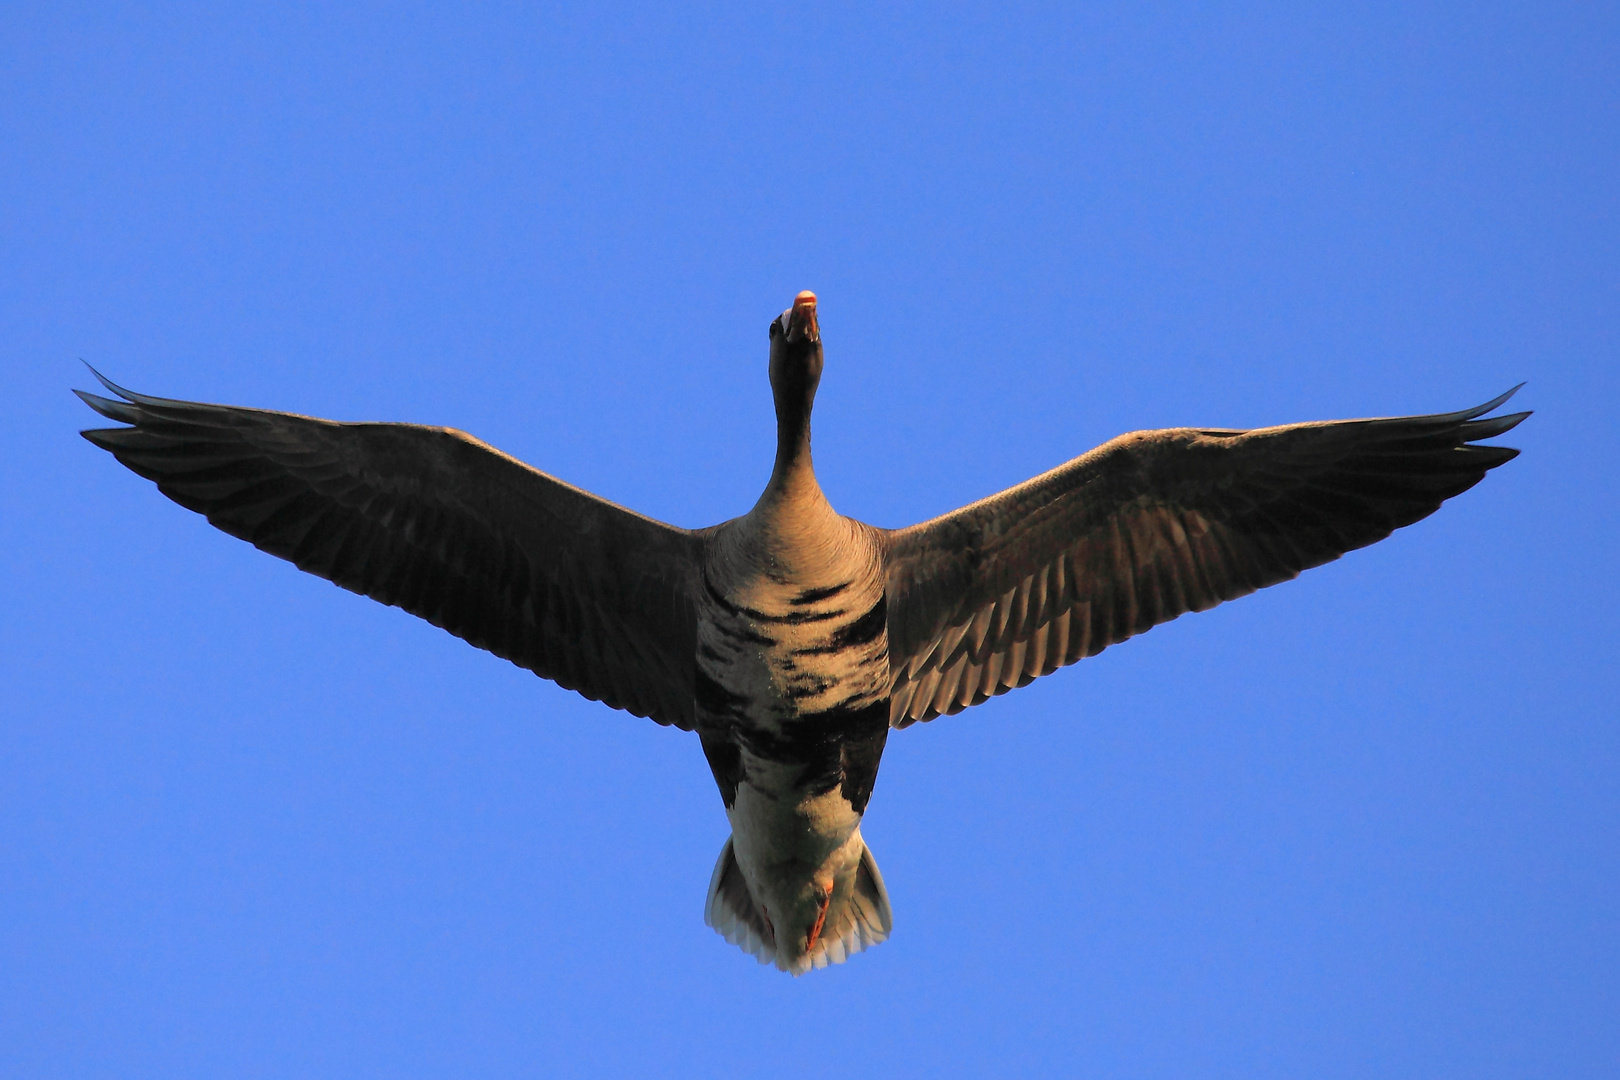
[(792, 639)]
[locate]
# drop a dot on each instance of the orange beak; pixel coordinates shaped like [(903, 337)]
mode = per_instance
[(802, 321)]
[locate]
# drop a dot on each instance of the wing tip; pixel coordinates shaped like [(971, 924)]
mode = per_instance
[(1489, 407), (107, 383), (128, 395), (99, 437), (1475, 430), (120, 411), (1476, 425), (126, 411)]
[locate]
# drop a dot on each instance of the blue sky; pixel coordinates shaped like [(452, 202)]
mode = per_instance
[(1362, 824)]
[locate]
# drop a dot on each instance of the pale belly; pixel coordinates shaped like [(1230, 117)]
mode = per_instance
[(792, 706)]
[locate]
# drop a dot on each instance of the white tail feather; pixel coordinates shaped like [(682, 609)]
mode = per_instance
[(864, 921)]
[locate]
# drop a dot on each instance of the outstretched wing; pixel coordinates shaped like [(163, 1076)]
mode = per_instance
[(552, 578), (1146, 527)]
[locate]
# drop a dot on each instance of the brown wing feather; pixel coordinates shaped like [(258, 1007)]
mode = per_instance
[(552, 578), (1146, 527)]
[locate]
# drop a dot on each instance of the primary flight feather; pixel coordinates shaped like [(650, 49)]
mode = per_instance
[(792, 639)]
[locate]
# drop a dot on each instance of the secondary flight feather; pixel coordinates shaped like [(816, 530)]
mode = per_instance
[(793, 639)]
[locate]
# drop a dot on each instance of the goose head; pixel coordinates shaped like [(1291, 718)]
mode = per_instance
[(795, 373)]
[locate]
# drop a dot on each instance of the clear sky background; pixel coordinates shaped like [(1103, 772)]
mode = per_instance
[(1363, 824)]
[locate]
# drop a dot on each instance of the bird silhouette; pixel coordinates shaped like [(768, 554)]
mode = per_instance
[(792, 639)]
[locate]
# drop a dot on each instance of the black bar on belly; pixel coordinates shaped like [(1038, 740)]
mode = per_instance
[(840, 747)]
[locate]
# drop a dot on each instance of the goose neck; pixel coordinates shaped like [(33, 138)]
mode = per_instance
[(794, 476)]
